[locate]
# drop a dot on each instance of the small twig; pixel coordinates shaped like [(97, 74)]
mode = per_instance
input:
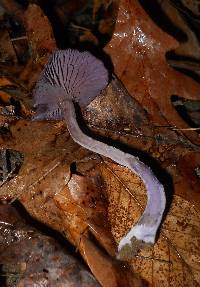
[(79, 27), (185, 129), (178, 129), (18, 38)]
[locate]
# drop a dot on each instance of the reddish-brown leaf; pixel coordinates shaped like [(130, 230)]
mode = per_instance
[(138, 49)]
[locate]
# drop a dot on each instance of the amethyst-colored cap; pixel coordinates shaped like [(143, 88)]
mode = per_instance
[(79, 76)]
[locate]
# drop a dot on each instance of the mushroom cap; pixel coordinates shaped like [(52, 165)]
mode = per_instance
[(69, 74)]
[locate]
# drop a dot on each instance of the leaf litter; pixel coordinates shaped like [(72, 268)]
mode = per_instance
[(57, 196)]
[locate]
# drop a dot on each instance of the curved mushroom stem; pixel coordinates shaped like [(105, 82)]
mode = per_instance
[(144, 232), (70, 76)]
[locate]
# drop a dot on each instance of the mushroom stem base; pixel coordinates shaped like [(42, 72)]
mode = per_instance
[(130, 250)]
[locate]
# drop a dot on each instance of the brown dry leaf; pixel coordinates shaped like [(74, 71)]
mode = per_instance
[(169, 260), (83, 209), (109, 7), (174, 259), (8, 54), (29, 258), (41, 44), (37, 185), (127, 123), (178, 15), (138, 49), (14, 43), (4, 81), (42, 182)]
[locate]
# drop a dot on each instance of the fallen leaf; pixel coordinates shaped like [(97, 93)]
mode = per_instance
[(29, 258), (41, 41), (41, 187), (138, 50), (174, 259), (47, 159), (144, 70), (186, 23)]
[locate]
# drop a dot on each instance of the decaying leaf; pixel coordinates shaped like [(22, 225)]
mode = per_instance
[(138, 50), (41, 41), (180, 15), (143, 46), (14, 45), (174, 259), (40, 186), (92, 201), (29, 258)]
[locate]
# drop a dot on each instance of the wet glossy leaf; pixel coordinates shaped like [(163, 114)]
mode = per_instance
[(144, 70), (138, 50), (29, 258)]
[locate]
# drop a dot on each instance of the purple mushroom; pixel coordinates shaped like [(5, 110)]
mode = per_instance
[(80, 75), (72, 76)]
